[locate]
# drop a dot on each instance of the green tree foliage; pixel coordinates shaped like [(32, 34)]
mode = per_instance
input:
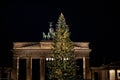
[(63, 66)]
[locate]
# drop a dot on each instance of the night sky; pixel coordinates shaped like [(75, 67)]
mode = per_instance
[(91, 21)]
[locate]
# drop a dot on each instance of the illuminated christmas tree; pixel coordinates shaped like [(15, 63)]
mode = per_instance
[(63, 64)]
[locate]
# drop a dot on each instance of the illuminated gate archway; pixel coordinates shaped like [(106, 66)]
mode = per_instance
[(42, 50)]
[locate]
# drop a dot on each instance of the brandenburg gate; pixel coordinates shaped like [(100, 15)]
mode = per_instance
[(42, 51)]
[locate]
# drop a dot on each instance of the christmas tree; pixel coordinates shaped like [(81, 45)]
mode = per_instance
[(63, 64)]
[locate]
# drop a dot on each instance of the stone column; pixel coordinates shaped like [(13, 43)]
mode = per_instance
[(15, 71), (86, 69), (17, 68), (106, 75), (8, 75), (29, 68), (92, 75), (42, 69)]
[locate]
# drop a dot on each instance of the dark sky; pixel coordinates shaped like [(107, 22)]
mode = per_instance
[(92, 21)]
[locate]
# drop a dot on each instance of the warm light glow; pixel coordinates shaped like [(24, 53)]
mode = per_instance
[(65, 58), (46, 59), (112, 74), (49, 59)]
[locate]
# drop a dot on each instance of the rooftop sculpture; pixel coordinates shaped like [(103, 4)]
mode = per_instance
[(50, 34)]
